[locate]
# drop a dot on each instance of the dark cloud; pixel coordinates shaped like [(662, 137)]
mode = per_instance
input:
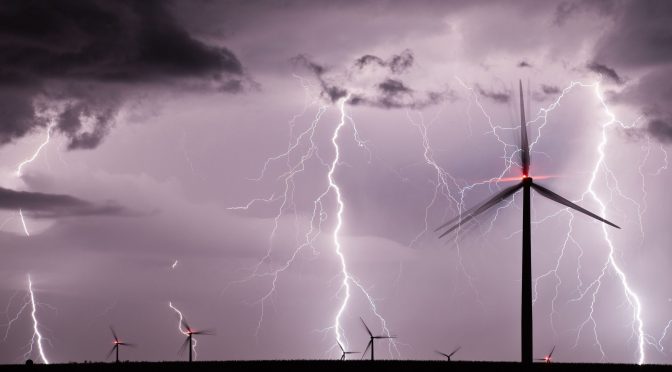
[(641, 37), (661, 129), (397, 64), (80, 53), (652, 94), (567, 9), (391, 93), (605, 71), (40, 205), (550, 89), (524, 64), (499, 97), (640, 41)]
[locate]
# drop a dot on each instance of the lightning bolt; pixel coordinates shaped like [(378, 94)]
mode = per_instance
[(179, 327), (19, 168), (37, 336), (302, 147), (23, 223), (29, 303)]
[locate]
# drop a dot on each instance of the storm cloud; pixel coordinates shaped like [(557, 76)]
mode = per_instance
[(41, 205), (641, 42), (390, 93), (83, 54)]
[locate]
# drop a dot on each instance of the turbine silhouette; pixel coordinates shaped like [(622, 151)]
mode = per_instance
[(525, 184), (548, 358), (449, 355), (345, 352), (190, 333), (372, 338), (117, 343)]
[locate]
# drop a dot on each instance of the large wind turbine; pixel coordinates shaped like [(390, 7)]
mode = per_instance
[(526, 183)]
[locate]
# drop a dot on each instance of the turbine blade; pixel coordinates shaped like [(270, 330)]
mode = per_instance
[(552, 350), (204, 332), (367, 328), (184, 346), (524, 143), (559, 199), (444, 354), (110, 352), (340, 346), (114, 334), (475, 211), (367, 348), (455, 351), (127, 344)]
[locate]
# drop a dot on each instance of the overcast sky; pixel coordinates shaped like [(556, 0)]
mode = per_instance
[(199, 153)]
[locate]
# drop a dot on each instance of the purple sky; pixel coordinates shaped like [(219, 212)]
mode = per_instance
[(163, 117)]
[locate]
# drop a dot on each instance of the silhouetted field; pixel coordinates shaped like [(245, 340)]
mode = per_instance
[(334, 365)]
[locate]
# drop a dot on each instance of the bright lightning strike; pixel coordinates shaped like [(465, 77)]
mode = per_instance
[(29, 303), (19, 168), (179, 327), (37, 336), (301, 149), (23, 223)]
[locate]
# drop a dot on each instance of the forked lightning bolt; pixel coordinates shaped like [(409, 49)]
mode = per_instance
[(301, 149), (31, 304)]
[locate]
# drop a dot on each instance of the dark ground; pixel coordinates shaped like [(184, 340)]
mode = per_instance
[(334, 365)]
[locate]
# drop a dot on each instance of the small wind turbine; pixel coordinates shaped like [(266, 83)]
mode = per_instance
[(449, 355), (345, 352), (548, 358), (117, 343), (372, 339), (190, 333)]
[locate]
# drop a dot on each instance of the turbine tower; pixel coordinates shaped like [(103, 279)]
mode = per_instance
[(345, 352), (190, 333), (526, 183), (449, 355), (117, 343), (372, 338)]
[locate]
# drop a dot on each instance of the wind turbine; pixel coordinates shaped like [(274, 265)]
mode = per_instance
[(548, 358), (117, 343), (526, 183), (190, 333), (449, 355), (372, 339), (345, 352)]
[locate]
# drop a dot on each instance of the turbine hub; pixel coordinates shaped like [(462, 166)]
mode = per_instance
[(527, 180)]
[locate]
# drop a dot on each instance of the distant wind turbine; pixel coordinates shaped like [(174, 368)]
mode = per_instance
[(372, 339), (345, 352), (190, 333), (117, 343), (525, 184), (449, 355), (548, 358)]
